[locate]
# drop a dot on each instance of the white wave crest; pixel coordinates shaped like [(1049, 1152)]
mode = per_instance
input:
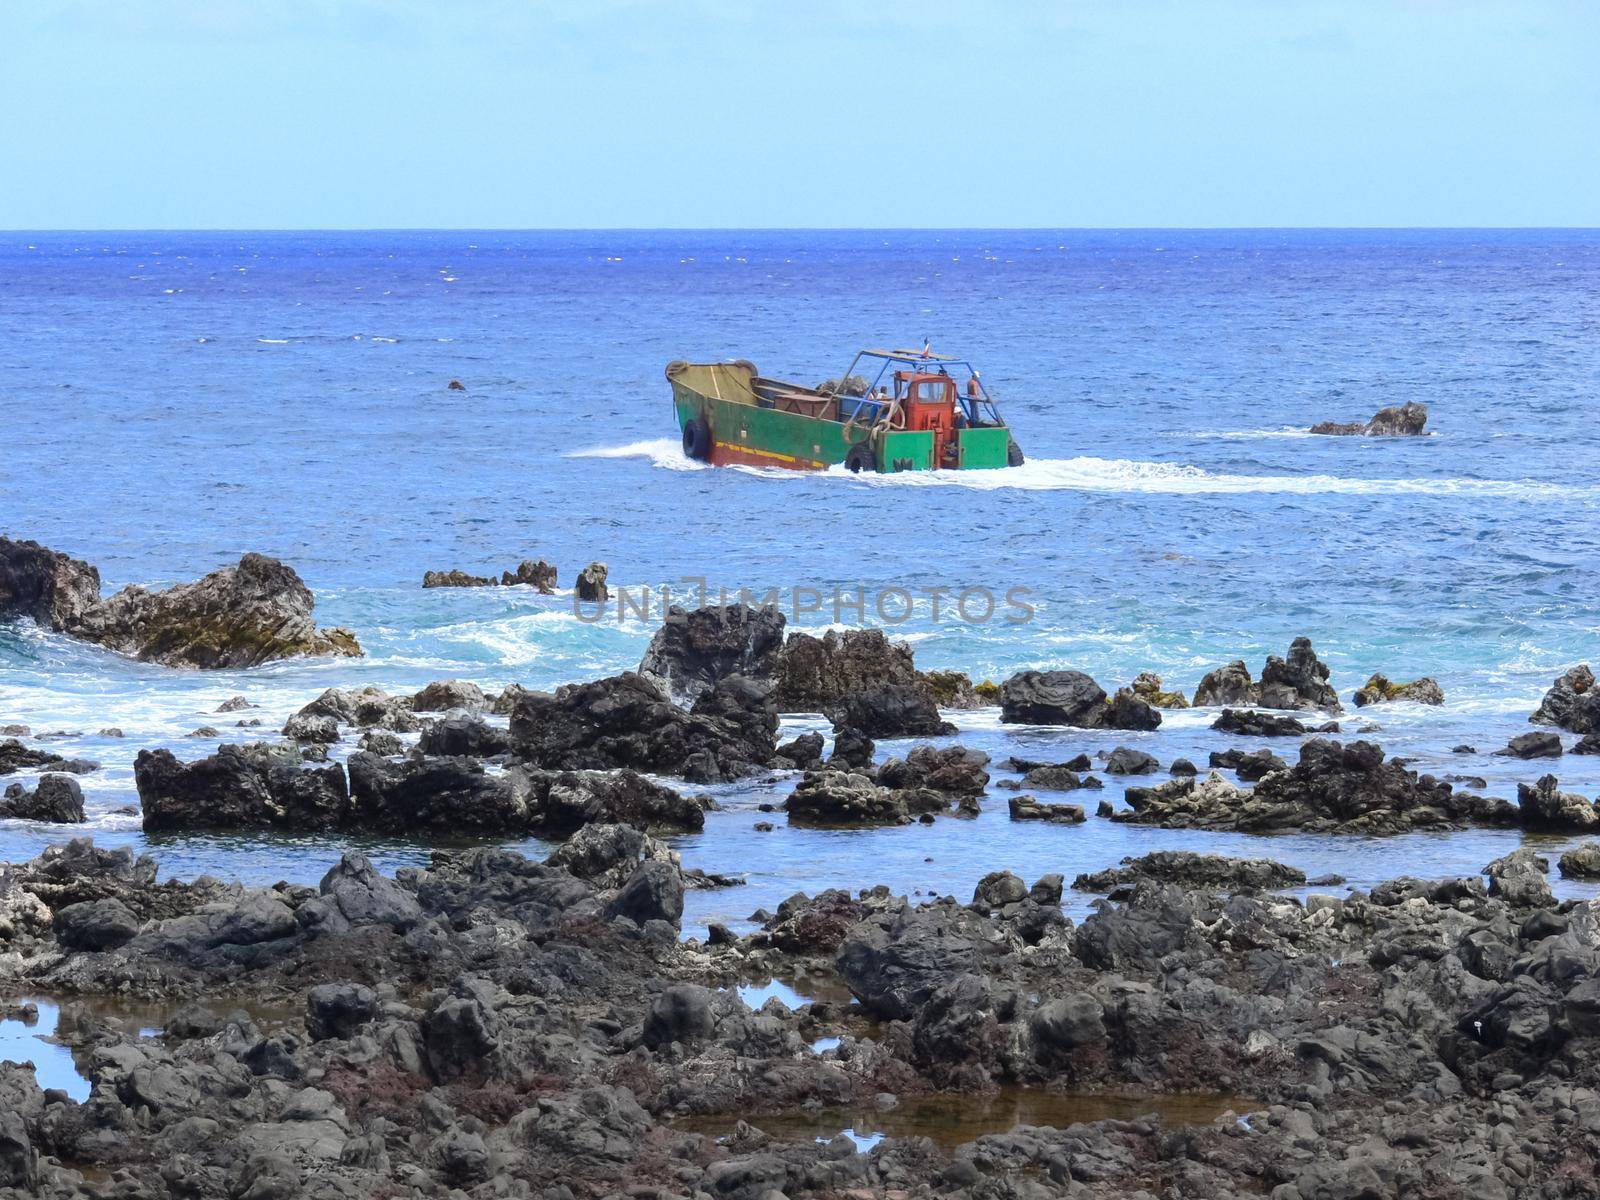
[(1125, 475), (1088, 474), (662, 452)]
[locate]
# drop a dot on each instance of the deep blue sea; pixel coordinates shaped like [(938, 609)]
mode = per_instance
[(172, 400)]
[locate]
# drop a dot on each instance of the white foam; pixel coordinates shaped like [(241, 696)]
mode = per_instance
[(662, 452), (1089, 474), (1125, 475)]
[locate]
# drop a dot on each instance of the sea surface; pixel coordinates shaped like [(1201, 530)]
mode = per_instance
[(172, 400)]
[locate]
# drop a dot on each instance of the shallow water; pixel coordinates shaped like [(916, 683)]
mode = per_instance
[(177, 399), (952, 1125)]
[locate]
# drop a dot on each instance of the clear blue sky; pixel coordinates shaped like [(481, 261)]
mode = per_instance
[(494, 113)]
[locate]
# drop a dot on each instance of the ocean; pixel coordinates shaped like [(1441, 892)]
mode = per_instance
[(173, 400)]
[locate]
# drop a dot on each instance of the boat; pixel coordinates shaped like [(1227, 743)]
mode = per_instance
[(892, 410)]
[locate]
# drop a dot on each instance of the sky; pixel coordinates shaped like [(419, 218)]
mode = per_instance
[(142, 114)]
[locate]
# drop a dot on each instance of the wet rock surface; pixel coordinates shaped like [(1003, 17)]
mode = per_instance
[(858, 679), (239, 616), (1334, 788), (1299, 680), (499, 1026), (1379, 689), (1572, 703), (1400, 420), (629, 721), (693, 650), (1072, 698)]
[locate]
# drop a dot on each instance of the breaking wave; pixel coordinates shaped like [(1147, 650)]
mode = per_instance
[(1089, 474)]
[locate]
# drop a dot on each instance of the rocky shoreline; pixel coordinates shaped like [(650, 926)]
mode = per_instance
[(504, 1027), (490, 1026)]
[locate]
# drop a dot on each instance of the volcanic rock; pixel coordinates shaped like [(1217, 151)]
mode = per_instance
[(695, 649), (56, 798), (1071, 698), (1378, 690), (240, 616), (1572, 703), (1401, 420)]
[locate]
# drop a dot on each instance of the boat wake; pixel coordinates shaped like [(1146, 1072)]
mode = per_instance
[(1126, 475), (662, 452)]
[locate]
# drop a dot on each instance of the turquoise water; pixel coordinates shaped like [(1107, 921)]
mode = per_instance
[(174, 400)]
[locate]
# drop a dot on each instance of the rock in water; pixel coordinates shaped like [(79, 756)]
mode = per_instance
[(1031, 808), (1378, 689), (1195, 871), (535, 573), (51, 588), (454, 579), (628, 721), (1401, 420), (1581, 862), (239, 616), (953, 689), (591, 584), (1071, 698), (57, 799), (1227, 686), (1299, 680), (1572, 703), (859, 679), (693, 650), (1532, 745), (1147, 686), (1544, 806)]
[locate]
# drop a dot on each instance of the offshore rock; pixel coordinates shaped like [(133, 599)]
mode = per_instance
[(1125, 760), (1030, 808), (1544, 806), (693, 650), (1532, 745), (1378, 689), (956, 770), (591, 584), (832, 797), (454, 579), (1228, 686), (241, 616), (1581, 862), (1401, 420), (1251, 766), (51, 588), (14, 757), (954, 689), (628, 721), (1211, 871), (858, 679), (57, 799), (1250, 723), (1332, 789), (1572, 703), (1147, 686), (1071, 698), (1297, 681), (534, 573)]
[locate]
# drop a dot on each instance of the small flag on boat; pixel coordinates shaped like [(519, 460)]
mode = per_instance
[(927, 346)]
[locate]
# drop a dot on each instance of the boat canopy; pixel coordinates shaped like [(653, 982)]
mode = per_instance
[(924, 361)]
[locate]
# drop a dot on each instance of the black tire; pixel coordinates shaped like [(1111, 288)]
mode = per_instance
[(1014, 454), (861, 458), (697, 440), (745, 362), (676, 367)]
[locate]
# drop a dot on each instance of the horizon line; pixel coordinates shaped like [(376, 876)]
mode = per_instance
[(802, 229)]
